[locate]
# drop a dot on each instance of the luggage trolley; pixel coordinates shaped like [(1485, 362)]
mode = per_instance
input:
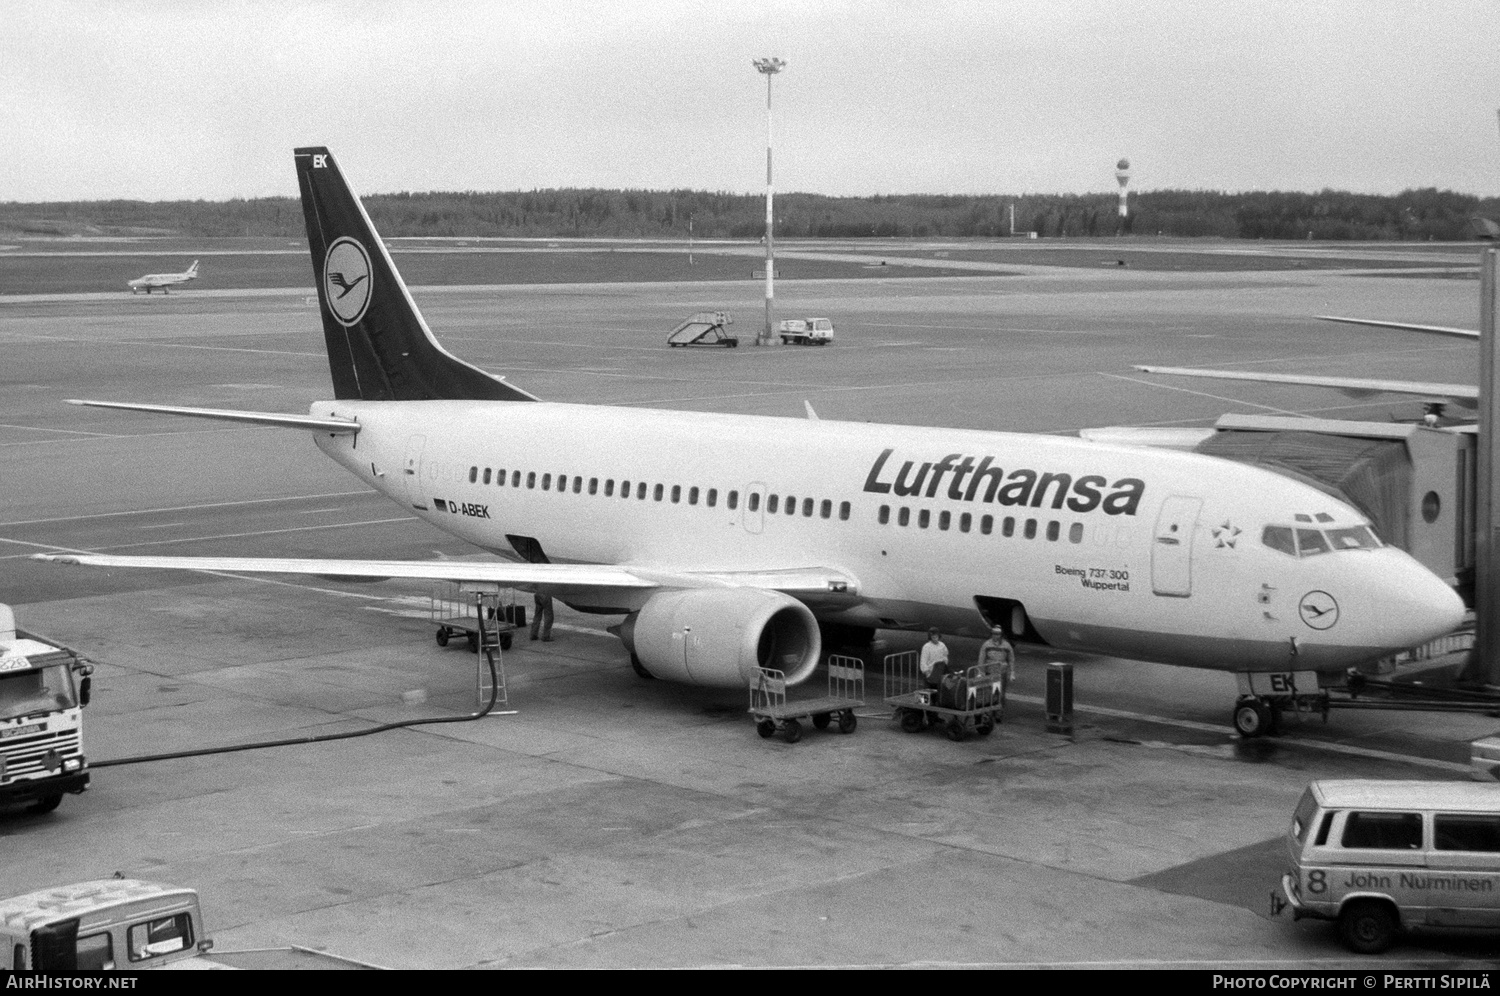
[(846, 692), (457, 609), (973, 698), (488, 628)]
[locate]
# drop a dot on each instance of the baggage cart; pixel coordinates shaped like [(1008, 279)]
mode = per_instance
[(457, 610), (772, 711), (978, 701)]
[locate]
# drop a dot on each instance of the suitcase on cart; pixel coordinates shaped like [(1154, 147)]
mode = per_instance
[(953, 690)]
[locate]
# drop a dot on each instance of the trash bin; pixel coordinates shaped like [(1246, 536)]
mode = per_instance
[(1060, 698)]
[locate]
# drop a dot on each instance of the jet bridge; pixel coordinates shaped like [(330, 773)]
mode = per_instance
[(1415, 483)]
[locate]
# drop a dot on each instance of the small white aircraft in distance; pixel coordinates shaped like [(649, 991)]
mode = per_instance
[(152, 281), (732, 542)]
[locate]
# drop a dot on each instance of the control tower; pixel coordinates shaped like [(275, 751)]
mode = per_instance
[(1122, 175)]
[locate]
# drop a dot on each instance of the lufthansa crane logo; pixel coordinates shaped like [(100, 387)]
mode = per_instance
[(346, 280), (1318, 610)]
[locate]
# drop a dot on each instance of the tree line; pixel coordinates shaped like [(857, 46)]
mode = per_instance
[(1425, 214)]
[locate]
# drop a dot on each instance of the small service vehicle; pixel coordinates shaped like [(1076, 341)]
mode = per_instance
[(806, 331), (43, 690), (706, 328), (113, 924), (1378, 857)]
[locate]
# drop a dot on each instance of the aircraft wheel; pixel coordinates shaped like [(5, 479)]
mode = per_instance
[(442, 637), (766, 728), (912, 721), (955, 730), (45, 804), (822, 719), (1252, 718), (848, 721), (1368, 926), (792, 731)]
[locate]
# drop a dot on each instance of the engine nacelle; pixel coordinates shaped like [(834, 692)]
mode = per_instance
[(719, 636)]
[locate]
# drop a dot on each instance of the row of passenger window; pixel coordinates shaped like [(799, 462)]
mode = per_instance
[(965, 521), (774, 503)]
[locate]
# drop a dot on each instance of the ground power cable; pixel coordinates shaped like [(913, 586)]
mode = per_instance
[(319, 738)]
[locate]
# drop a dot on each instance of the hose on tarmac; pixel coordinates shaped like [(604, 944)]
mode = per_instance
[(320, 738)]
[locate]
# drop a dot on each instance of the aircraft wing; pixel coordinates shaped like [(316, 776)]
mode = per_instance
[(1464, 395), (501, 572), (1433, 329), (336, 426), (807, 582)]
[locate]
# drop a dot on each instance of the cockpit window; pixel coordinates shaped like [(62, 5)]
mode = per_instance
[(1279, 538), (1310, 542), (1353, 538)]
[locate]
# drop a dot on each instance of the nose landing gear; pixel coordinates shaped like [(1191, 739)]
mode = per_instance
[(1255, 717)]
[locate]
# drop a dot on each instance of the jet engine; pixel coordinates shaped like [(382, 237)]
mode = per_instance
[(719, 636)]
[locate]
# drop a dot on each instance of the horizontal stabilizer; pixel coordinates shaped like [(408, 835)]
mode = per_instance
[(336, 426), (1432, 329)]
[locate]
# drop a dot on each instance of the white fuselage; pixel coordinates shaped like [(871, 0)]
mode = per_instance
[(1134, 552), (152, 281)]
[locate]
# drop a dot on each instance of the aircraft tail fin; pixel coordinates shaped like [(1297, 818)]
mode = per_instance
[(192, 271), (379, 346)]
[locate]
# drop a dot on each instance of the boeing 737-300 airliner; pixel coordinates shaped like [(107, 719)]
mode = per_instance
[(726, 541)]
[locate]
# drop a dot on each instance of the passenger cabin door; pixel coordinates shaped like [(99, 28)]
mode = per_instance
[(1172, 546), (411, 471)]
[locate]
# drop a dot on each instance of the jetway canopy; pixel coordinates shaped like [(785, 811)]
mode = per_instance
[(1373, 475), (1415, 483)]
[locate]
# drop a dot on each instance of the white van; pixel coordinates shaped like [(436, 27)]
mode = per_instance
[(1380, 856), (103, 926), (806, 331)]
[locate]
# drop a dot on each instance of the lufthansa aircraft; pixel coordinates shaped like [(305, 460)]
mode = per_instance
[(728, 541), (152, 281)]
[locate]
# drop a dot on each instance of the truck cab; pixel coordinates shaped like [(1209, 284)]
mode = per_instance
[(806, 331), (113, 924), (43, 690)]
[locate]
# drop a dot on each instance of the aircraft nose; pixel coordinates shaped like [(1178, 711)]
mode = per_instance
[(1418, 606)]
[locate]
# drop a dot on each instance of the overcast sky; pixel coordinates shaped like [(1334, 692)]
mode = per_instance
[(172, 99)]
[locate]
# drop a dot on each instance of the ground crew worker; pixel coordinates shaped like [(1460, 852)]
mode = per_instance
[(934, 660), (541, 617), (997, 650)]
